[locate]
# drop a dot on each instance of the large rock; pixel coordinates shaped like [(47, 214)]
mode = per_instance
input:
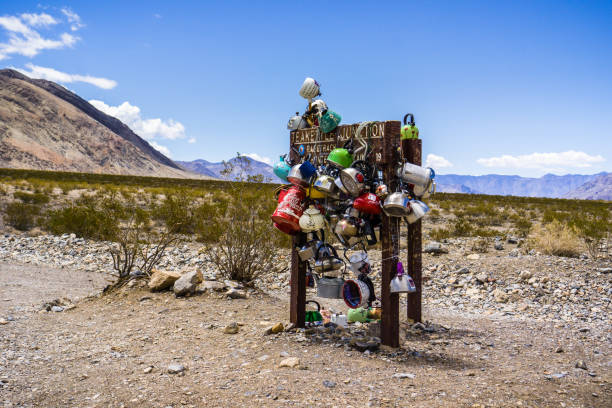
[(162, 280), (187, 284)]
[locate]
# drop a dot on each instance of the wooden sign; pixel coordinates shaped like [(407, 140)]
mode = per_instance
[(318, 144)]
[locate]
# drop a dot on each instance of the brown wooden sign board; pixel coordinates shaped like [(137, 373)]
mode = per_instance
[(384, 141)]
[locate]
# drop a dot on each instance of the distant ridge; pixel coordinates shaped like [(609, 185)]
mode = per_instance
[(211, 169)]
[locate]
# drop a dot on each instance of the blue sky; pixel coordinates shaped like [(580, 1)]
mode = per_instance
[(496, 87)]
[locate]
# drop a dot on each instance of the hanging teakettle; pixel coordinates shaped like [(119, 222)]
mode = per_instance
[(327, 259), (325, 184), (297, 122), (397, 204), (417, 175), (310, 89), (367, 203), (358, 260), (340, 158), (418, 210), (409, 130), (313, 316), (329, 121), (352, 180), (281, 169), (296, 177), (312, 220), (290, 208), (402, 283)]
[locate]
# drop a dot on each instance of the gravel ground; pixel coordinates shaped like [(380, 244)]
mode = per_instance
[(503, 342)]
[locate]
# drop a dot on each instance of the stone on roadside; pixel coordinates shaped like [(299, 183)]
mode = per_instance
[(525, 275), (290, 362), (236, 294), (3, 321), (512, 240), (581, 365), (514, 253), (162, 280), (435, 248), (186, 284), (473, 257), (148, 370), (500, 296), (231, 328), (176, 368), (57, 309), (404, 375), (329, 384), (277, 328), (482, 277), (498, 246), (211, 285)]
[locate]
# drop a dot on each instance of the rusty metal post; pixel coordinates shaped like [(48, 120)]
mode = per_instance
[(297, 308), (411, 150), (389, 237)]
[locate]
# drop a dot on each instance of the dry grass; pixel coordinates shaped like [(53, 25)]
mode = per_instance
[(555, 238)]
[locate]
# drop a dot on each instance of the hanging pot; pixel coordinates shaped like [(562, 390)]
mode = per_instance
[(308, 251), (308, 169), (329, 288), (329, 121), (353, 181), (355, 293), (297, 122), (325, 184), (367, 203), (418, 210), (281, 169), (296, 177), (382, 191), (397, 205), (327, 259), (358, 260), (310, 89), (312, 220), (425, 192), (402, 283), (409, 130), (346, 228), (340, 158), (417, 175), (289, 210)]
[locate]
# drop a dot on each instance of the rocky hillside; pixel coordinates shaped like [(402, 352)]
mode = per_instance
[(45, 126), (549, 185), (211, 169), (599, 188)]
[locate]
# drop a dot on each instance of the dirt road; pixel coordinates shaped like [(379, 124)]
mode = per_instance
[(115, 351)]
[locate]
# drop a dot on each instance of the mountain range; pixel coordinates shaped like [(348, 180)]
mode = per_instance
[(45, 126), (214, 169)]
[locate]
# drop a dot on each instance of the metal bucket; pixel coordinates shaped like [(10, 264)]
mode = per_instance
[(330, 288)]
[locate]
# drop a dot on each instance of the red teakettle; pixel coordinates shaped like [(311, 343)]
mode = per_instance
[(291, 204), (367, 203)]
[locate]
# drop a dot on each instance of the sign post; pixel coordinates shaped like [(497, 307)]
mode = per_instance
[(384, 141)]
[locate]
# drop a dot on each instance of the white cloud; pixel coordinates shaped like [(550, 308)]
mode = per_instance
[(24, 40), (543, 161), (146, 128), (257, 157), (437, 162), (54, 75), (191, 140), (73, 18), (38, 20), (163, 149)]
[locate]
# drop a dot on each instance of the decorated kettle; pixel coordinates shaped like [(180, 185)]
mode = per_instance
[(409, 130)]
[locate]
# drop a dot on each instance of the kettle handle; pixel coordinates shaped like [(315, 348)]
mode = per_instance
[(411, 119), (316, 303), (400, 269)]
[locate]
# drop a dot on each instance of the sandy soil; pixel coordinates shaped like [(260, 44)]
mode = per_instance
[(114, 351)]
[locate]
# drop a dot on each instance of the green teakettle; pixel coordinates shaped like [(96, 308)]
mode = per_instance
[(313, 315), (358, 315), (329, 121), (409, 130)]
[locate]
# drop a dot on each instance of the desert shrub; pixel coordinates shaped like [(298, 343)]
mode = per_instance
[(592, 228), (85, 220), (438, 234), (247, 245), (462, 228), (484, 232), (21, 216), (177, 212), (31, 198), (555, 238), (522, 226)]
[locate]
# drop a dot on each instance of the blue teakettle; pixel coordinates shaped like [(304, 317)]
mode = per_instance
[(281, 169)]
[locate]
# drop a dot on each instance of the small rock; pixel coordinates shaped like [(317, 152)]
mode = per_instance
[(500, 296), (290, 362), (404, 375), (263, 358), (187, 284), (512, 240), (277, 328), (462, 271), (581, 365), (231, 328), (212, 286), (559, 350), (283, 354), (329, 384), (57, 309), (236, 294), (482, 277), (473, 257), (148, 370), (162, 280), (435, 248), (583, 330), (3, 321), (525, 275), (559, 375), (176, 368), (498, 246), (514, 253), (605, 270)]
